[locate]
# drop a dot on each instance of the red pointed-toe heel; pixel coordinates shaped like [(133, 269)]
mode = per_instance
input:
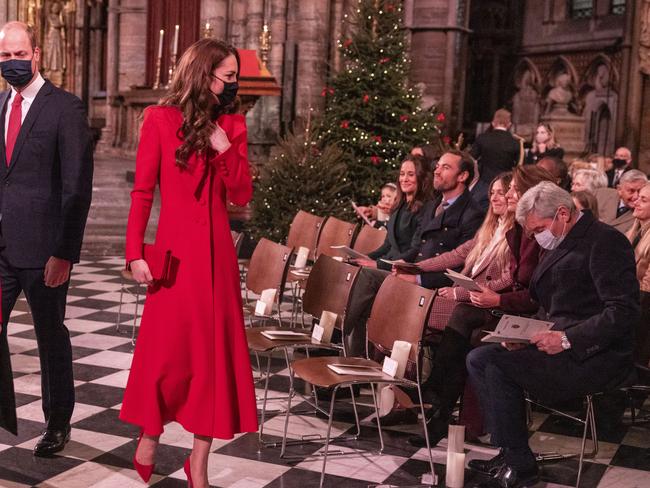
[(144, 470), (186, 468)]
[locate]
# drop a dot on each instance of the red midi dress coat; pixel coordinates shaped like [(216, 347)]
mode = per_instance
[(191, 362)]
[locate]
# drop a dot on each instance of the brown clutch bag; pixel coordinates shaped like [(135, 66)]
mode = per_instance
[(159, 261)]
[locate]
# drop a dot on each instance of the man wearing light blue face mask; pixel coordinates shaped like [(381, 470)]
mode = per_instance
[(586, 285)]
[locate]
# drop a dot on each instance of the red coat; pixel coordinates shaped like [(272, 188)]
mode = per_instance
[(191, 362)]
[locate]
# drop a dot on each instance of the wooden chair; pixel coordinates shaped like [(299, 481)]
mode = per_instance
[(397, 302), (335, 233), (268, 269), (369, 239), (304, 232), (329, 287)]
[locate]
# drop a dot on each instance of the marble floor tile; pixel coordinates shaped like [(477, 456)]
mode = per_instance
[(118, 360), (34, 411), (363, 465), (21, 363), (72, 312), (545, 442), (19, 344), (101, 286), (302, 425), (99, 341), (118, 379), (616, 477), (95, 475)]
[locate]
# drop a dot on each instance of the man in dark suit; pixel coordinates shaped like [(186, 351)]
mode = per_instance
[(497, 150), (451, 219), (46, 169), (586, 285), (621, 163)]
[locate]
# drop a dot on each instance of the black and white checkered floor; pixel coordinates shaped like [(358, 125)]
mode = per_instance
[(101, 449)]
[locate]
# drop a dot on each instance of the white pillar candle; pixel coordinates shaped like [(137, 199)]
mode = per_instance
[(455, 470), (160, 43), (386, 400), (456, 438), (175, 48), (301, 257), (400, 353), (327, 322)]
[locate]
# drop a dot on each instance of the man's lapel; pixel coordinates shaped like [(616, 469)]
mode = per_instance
[(37, 105), (4, 97)]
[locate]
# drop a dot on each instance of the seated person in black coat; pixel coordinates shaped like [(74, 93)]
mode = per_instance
[(586, 285), (448, 221), (497, 150), (414, 191)]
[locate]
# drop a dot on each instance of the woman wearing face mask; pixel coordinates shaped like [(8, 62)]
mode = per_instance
[(191, 362), (544, 145), (640, 239), (447, 379)]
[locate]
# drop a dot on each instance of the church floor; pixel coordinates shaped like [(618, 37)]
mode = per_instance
[(100, 452)]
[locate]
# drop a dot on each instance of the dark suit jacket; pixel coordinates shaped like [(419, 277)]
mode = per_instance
[(401, 228), (45, 193), (44, 196), (610, 176), (496, 151), (447, 231), (588, 288), (480, 194)]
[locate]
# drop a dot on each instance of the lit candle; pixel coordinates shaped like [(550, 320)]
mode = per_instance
[(456, 438), (301, 257), (175, 48), (207, 26), (160, 43)]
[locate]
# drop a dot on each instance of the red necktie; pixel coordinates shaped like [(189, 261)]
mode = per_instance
[(15, 119)]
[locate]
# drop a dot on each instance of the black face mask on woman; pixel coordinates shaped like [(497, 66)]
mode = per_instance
[(229, 93), (17, 72)]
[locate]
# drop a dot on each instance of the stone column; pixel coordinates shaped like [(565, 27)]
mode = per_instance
[(308, 28), (107, 139), (630, 111), (237, 23), (132, 39)]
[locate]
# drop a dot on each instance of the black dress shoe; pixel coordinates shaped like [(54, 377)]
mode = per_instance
[(511, 477), (397, 417), (487, 466), (52, 442)]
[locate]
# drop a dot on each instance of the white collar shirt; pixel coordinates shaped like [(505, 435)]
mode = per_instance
[(28, 94)]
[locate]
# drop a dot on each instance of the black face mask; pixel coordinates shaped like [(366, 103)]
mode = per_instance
[(619, 163), (229, 93), (17, 72)]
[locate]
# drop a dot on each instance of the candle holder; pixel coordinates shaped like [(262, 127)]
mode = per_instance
[(208, 31), (265, 43), (156, 81), (172, 70)]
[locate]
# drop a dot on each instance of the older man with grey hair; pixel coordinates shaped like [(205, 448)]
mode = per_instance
[(586, 285), (615, 205)]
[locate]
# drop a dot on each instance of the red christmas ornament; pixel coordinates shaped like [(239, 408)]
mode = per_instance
[(375, 160), (331, 91), (384, 60), (347, 43), (366, 98), (345, 124), (441, 117), (446, 140), (327, 90), (390, 7), (377, 139), (403, 118)]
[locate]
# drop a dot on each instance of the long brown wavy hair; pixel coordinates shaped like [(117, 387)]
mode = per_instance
[(423, 192), (190, 92)]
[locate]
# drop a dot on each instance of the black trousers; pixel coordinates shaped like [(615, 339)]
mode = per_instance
[(54, 349), (362, 297)]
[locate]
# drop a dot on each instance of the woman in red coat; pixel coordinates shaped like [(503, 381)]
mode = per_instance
[(191, 362)]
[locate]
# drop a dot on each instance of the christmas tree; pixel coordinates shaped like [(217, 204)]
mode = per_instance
[(305, 175), (371, 112)]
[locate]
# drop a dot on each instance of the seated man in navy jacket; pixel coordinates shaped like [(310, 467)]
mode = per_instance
[(451, 219), (586, 285)]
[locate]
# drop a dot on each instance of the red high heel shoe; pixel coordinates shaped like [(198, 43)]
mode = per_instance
[(144, 470), (186, 468)]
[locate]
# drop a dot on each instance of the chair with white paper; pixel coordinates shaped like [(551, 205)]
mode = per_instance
[(397, 302), (327, 296), (268, 271)]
